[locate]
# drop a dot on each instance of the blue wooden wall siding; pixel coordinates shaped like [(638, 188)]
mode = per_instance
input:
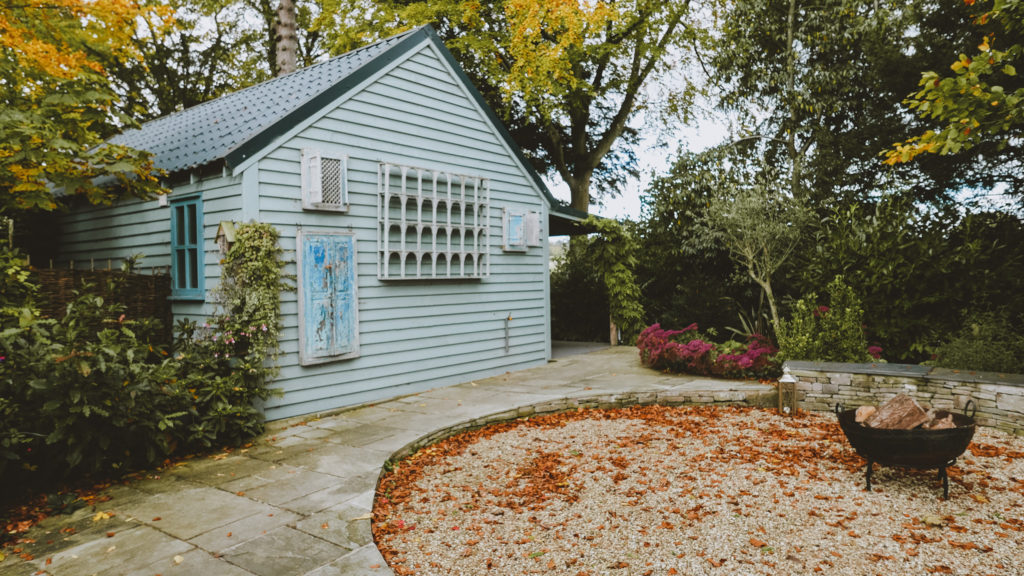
[(409, 336), (419, 335), (327, 292), (143, 227)]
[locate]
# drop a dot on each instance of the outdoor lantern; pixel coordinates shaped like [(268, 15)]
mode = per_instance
[(787, 394)]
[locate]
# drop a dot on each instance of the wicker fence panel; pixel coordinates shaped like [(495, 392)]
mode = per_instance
[(142, 295)]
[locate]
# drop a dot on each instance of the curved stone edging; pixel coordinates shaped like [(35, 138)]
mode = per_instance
[(602, 401), (999, 397)]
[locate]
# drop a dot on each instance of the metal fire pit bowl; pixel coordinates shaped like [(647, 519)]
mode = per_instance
[(918, 448)]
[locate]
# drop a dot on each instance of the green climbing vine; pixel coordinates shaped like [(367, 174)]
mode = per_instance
[(613, 251), (232, 357)]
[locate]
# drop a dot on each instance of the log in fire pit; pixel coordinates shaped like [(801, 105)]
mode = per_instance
[(916, 448)]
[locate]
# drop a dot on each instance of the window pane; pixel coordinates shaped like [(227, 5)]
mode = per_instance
[(180, 269), (179, 224), (193, 268), (515, 230), (192, 228)]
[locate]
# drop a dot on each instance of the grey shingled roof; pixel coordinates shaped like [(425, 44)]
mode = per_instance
[(237, 125)]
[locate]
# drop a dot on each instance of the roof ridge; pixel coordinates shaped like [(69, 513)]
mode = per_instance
[(276, 79)]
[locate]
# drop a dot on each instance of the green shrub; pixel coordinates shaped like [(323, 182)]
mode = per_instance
[(988, 342), (832, 333), (75, 400), (594, 281), (86, 401), (227, 363)]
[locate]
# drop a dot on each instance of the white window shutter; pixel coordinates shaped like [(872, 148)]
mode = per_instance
[(312, 182), (532, 225)]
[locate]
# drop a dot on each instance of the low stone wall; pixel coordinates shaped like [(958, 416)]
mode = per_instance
[(999, 397)]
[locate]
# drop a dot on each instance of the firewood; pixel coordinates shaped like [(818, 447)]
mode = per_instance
[(941, 423), (865, 412), (900, 413)]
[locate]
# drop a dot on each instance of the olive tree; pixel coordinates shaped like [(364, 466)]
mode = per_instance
[(760, 225)]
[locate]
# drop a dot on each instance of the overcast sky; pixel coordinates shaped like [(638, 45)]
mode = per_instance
[(651, 158)]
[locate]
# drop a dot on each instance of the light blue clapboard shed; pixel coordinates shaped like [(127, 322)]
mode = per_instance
[(414, 226)]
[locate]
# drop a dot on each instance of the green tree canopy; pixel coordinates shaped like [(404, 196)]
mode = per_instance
[(568, 79), (58, 105), (983, 99), (212, 47), (822, 83)]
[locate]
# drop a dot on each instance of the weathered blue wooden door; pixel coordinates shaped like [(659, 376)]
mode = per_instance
[(329, 327)]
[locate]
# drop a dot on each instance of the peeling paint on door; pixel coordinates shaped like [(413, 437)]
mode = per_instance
[(328, 327)]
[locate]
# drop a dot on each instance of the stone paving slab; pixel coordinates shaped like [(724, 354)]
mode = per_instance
[(346, 525), (297, 501), (284, 551), (124, 553), (192, 563), (364, 561), (346, 489), (227, 536), (190, 512)]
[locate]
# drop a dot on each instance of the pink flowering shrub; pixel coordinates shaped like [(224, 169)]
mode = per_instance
[(671, 351)]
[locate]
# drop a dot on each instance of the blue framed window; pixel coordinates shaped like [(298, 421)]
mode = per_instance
[(187, 249)]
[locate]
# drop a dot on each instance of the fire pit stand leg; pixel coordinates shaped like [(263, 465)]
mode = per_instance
[(867, 474), (944, 476)]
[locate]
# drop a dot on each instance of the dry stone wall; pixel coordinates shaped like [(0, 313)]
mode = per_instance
[(999, 397)]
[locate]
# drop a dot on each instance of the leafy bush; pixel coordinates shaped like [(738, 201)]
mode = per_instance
[(227, 362), (614, 251), (84, 400), (988, 342), (671, 351), (912, 267), (832, 333), (77, 401)]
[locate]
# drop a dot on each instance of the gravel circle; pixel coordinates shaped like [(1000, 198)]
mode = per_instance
[(693, 490)]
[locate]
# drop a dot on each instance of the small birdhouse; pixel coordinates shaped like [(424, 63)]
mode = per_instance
[(225, 235)]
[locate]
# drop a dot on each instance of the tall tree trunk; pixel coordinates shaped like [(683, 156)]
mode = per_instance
[(794, 175), (579, 191), (766, 286), (287, 38)]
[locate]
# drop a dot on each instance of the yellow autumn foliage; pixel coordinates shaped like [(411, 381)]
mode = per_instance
[(546, 40)]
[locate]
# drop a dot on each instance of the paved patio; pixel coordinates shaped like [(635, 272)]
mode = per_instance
[(298, 501)]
